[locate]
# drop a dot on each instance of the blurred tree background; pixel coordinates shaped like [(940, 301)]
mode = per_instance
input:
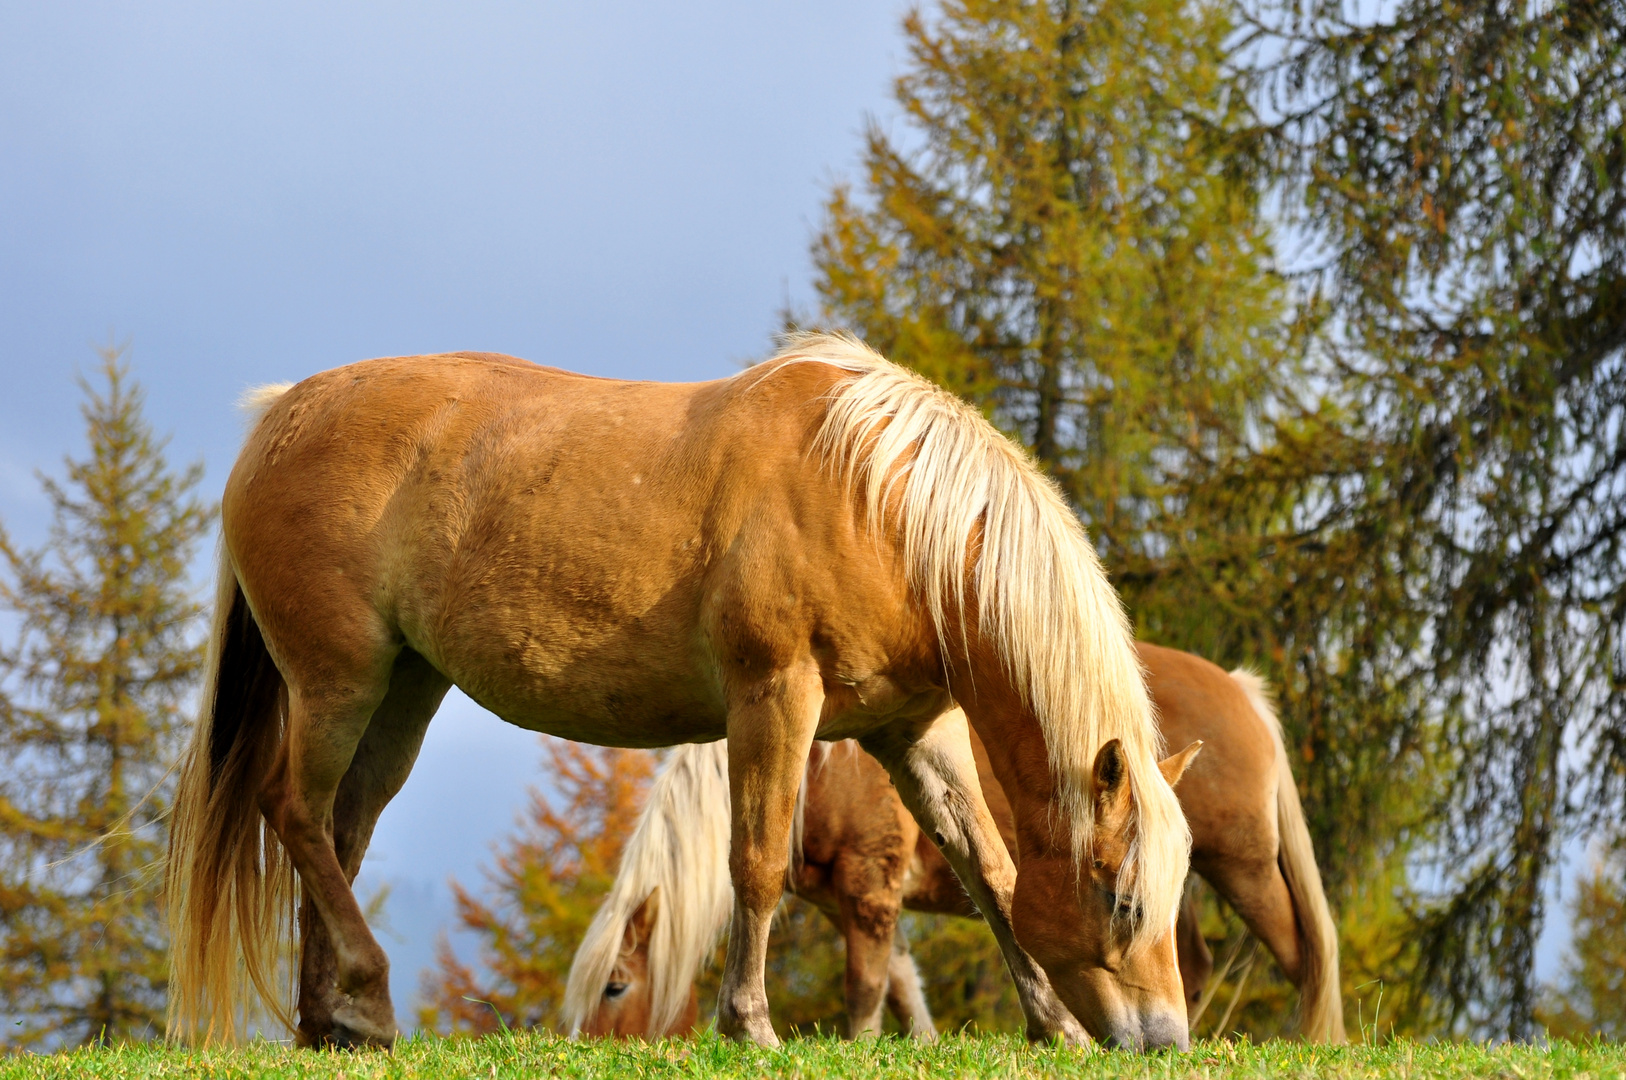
[(108, 651), (1590, 999)]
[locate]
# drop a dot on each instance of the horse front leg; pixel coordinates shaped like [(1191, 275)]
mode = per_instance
[(934, 771), (868, 924), (770, 728)]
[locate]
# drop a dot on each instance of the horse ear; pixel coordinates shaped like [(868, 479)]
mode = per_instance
[(1174, 766), (1110, 786), (642, 921)]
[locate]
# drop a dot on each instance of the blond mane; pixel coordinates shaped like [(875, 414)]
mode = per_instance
[(934, 474), (680, 847)]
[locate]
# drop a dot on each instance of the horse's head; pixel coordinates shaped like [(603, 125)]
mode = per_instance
[(624, 1002), (1122, 981)]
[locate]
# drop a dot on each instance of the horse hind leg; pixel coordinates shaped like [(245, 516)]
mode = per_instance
[(327, 720), (382, 761), (1257, 892)]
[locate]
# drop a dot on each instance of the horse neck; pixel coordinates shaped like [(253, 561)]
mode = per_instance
[(1019, 759)]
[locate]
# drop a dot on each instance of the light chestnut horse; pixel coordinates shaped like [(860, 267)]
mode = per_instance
[(863, 859), (824, 546)]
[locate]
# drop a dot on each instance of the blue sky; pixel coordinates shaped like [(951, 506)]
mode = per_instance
[(255, 192)]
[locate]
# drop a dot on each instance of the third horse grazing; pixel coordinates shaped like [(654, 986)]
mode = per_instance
[(862, 860), (824, 546)]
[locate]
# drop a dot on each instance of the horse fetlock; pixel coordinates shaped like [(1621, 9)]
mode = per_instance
[(365, 1017), (744, 1016), (365, 975)]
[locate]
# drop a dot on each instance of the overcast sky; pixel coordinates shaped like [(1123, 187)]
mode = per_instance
[(255, 192)]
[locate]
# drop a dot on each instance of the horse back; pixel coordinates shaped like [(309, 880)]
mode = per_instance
[(577, 553), (1229, 792)]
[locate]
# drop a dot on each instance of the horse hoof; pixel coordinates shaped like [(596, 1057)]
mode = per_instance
[(353, 1031)]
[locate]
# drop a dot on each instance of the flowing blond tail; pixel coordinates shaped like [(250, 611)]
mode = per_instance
[(1321, 1003), (229, 885)]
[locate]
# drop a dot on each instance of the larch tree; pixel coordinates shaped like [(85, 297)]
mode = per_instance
[(1590, 998), (107, 653), (1461, 167), (1075, 242)]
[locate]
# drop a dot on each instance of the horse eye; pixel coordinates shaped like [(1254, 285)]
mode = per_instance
[(614, 990), (1123, 907)]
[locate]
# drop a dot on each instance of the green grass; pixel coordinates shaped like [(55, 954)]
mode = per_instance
[(532, 1055)]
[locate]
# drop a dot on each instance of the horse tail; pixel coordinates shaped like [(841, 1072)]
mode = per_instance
[(680, 846), (1321, 1007), (228, 884)]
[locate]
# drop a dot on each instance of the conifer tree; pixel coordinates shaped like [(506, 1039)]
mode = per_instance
[(1462, 169), (106, 654), (1076, 243)]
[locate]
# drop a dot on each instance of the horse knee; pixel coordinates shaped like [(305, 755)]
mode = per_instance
[(759, 880)]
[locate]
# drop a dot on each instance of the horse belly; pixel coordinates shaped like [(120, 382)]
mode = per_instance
[(613, 682)]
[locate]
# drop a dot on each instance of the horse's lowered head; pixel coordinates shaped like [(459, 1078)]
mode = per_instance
[(624, 1004), (1121, 980)]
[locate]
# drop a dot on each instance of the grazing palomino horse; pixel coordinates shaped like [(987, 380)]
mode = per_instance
[(862, 859), (824, 546)]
